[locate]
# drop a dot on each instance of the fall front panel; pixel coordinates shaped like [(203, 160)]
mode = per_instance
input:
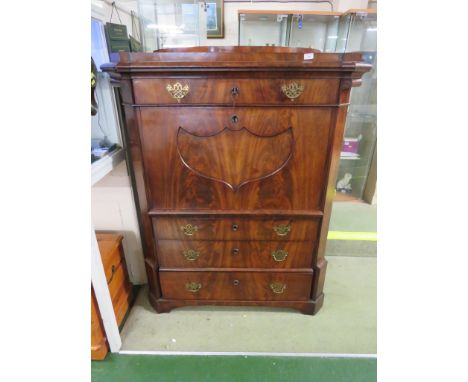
[(236, 158)]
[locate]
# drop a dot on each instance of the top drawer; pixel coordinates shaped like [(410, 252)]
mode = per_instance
[(263, 91)]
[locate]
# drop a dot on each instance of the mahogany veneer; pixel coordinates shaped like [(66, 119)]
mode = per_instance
[(234, 153)]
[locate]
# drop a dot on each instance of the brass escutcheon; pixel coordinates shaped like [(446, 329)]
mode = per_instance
[(193, 287), (282, 230), (279, 255), (177, 91), (191, 254), (293, 90), (277, 287), (189, 229)]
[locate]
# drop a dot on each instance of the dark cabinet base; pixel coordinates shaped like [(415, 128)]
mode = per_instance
[(310, 307)]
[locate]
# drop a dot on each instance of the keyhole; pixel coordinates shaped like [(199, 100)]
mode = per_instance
[(235, 227), (234, 119), (236, 282), (235, 251), (235, 91)]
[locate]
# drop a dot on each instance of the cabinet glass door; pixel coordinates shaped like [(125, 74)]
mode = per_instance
[(170, 23), (314, 31), (361, 123), (263, 29)]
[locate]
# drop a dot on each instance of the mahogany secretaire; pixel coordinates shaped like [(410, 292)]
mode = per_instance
[(234, 152)]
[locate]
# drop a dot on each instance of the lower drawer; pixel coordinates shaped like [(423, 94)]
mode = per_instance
[(234, 254), (262, 286)]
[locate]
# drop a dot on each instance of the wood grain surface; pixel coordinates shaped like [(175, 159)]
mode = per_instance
[(235, 254), (236, 285)]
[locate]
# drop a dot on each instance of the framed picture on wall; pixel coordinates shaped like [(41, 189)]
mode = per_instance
[(215, 19)]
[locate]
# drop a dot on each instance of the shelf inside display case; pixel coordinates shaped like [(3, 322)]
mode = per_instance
[(361, 11), (170, 23), (269, 28), (314, 30), (303, 29)]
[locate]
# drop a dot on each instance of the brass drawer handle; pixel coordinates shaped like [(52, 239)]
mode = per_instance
[(177, 91), (279, 255), (193, 287), (191, 254), (282, 230), (277, 288), (292, 90), (189, 229)]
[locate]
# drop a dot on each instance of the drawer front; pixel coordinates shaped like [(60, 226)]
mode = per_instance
[(235, 229), (111, 265), (110, 248), (264, 286), (234, 254), (117, 281), (268, 91), (120, 292)]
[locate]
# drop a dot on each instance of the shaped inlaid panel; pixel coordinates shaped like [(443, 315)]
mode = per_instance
[(235, 157)]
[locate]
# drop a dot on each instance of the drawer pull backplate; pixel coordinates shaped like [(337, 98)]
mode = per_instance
[(193, 287), (277, 288), (293, 90), (189, 229), (282, 230), (191, 254), (177, 91), (279, 255)]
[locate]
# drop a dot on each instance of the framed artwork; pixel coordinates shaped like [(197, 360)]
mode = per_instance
[(215, 19)]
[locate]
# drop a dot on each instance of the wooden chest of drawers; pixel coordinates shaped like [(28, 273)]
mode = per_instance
[(120, 289), (234, 154)]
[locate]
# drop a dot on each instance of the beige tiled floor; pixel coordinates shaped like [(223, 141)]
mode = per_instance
[(346, 323)]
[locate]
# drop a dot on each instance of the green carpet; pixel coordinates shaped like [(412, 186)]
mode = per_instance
[(358, 217), (141, 368), (352, 218)]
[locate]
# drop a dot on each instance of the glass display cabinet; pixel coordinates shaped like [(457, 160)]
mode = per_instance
[(171, 23), (302, 29), (263, 28), (314, 29), (358, 32)]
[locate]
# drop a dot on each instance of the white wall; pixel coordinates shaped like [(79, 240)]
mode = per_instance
[(113, 209), (344, 5)]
